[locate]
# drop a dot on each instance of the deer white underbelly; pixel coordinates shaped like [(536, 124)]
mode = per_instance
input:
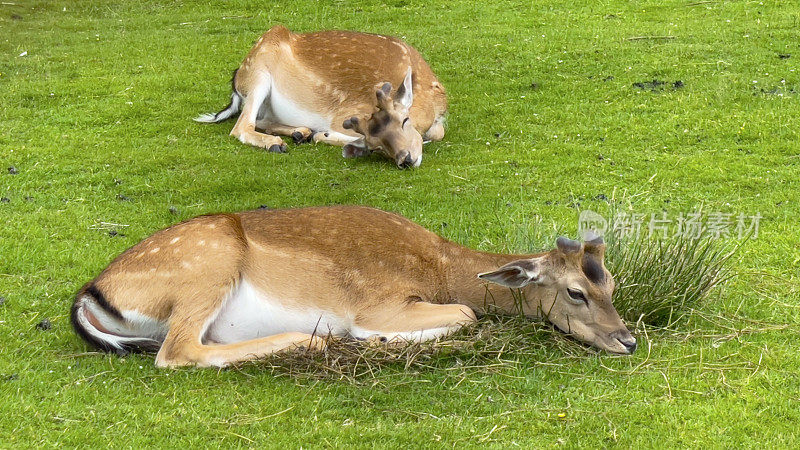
[(284, 111), (250, 314)]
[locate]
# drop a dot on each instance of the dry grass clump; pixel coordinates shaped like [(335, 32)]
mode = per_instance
[(494, 343)]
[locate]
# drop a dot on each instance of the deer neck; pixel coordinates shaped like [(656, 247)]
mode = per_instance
[(464, 286)]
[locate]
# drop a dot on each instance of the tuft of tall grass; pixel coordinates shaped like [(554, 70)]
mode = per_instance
[(660, 281)]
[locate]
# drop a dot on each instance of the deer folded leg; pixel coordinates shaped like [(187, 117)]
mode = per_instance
[(333, 138), (435, 132), (299, 135), (176, 352), (415, 322), (245, 128)]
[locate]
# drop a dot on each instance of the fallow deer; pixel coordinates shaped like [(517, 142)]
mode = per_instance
[(336, 87), (219, 289)]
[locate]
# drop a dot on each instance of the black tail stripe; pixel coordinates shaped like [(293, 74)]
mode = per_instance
[(233, 80), (101, 300), (233, 88)]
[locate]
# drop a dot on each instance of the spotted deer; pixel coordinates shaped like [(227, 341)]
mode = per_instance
[(336, 87), (220, 289)]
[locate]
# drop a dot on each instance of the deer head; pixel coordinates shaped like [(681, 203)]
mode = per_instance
[(571, 288), (389, 129)]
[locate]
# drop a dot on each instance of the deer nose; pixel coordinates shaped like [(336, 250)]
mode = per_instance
[(630, 346), (626, 339), (406, 163)]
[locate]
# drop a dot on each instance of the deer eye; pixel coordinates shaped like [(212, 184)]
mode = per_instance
[(577, 295)]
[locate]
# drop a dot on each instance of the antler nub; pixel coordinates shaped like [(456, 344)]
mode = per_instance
[(567, 245), (353, 124)]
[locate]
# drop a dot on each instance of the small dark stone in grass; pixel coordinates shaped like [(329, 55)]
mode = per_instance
[(657, 85), (600, 157), (44, 325), (112, 233), (444, 224), (784, 55), (535, 86), (123, 198), (608, 78), (5, 200), (173, 210), (12, 170), (649, 85), (601, 197), (264, 207), (2, 301), (12, 377)]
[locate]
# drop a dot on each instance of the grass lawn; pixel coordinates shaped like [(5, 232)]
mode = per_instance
[(554, 110)]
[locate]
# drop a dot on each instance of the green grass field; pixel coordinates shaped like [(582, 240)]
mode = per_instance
[(546, 120)]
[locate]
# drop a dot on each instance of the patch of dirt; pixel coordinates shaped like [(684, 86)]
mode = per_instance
[(779, 91), (658, 85)]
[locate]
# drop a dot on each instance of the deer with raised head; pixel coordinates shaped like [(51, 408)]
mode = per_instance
[(336, 87), (219, 289)]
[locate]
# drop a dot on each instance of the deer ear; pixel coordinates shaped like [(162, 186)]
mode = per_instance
[(405, 93), (516, 274)]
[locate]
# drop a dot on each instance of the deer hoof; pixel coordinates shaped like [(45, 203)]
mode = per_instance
[(299, 138), (277, 148)]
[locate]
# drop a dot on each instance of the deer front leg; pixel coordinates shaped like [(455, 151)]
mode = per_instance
[(245, 128), (300, 135), (414, 322)]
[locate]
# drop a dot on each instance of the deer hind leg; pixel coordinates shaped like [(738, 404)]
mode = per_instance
[(414, 322), (245, 128), (186, 344), (181, 350)]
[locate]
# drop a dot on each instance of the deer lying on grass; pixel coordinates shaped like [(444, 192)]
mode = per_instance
[(219, 289), (334, 87)]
